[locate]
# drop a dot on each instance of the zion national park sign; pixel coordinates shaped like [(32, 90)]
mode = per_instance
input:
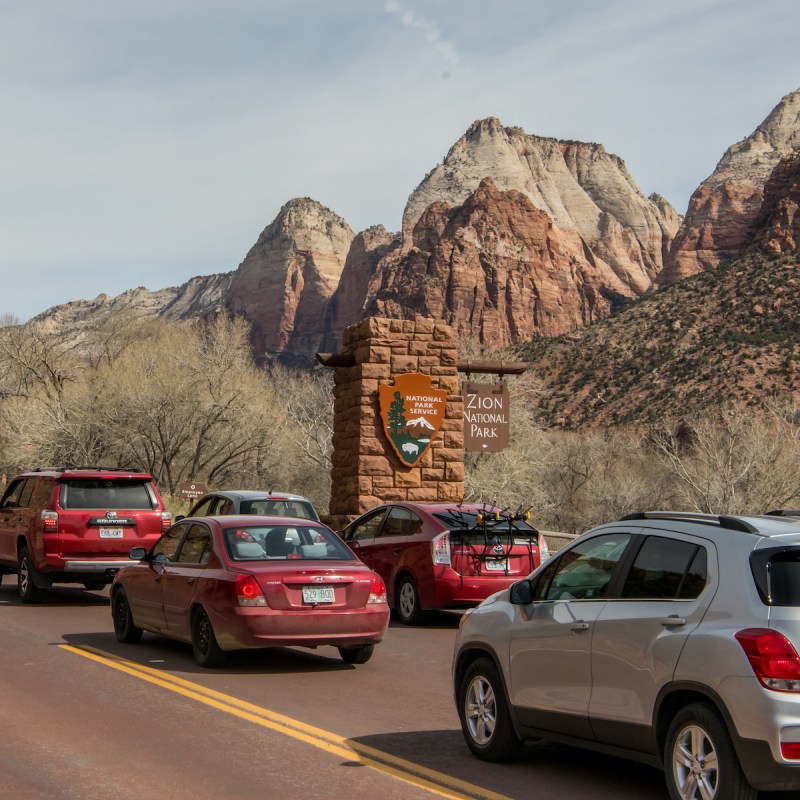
[(412, 413)]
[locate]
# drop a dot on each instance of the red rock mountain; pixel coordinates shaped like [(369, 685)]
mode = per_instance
[(512, 237), (724, 207)]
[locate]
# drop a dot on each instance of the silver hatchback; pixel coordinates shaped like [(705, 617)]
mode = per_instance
[(666, 637)]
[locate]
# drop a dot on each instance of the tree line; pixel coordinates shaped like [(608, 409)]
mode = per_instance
[(185, 401)]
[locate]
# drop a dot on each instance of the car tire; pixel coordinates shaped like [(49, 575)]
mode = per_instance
[(29, 592), (124, 628), (483, 711), (357, 655), (407, 603), (696, 736), (206, 649)]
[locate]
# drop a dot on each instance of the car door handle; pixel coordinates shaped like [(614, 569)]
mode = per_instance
[(190, 581), (673, 622), (579, 626)]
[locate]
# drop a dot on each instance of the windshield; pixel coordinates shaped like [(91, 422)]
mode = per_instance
[(284, 542)]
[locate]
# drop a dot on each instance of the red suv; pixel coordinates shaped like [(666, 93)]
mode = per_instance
[(76, 525), (443, 555)]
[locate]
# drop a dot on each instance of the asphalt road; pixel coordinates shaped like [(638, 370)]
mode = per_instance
[(86, 717)]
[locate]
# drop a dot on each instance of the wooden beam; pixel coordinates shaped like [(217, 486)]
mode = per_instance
[(336, 359), (493, 367)]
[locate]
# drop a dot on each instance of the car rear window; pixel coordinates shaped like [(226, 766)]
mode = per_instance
[(279, 508), (777, 575), (111, 494), (284, 542)]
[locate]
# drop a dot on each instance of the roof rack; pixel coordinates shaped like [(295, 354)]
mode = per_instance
[(82, 467), (783, 512), (723, 520)]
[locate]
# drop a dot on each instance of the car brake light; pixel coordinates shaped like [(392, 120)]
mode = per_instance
[(790, 750), (440, 548), (49, 521), (248, 592), (544, 549), (377, 594), (772, 657), (166, 520)]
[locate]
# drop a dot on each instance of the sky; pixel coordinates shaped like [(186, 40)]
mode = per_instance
[(143, 144)]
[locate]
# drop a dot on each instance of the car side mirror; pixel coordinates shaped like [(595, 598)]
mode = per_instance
[(521, 593), (138, 554), (179, 517)]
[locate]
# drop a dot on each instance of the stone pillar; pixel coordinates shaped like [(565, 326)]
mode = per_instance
[(366, 471)]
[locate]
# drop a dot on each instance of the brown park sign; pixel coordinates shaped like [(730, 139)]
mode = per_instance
[(191, 490), (412, 413), (486, 417)]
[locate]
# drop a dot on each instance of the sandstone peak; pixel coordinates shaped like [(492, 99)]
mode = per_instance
[(723, 208), (285, 281), (587, 193)]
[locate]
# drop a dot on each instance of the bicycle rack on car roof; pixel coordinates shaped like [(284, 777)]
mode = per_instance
[(485, 522)]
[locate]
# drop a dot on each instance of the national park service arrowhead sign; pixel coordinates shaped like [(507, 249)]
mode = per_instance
[(412, 413)]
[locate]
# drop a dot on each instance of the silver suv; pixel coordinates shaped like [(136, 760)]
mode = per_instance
[(669, 638)]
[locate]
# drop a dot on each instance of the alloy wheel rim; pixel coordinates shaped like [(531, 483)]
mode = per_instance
[(695, 764), (407, 600), (24, 576), (480, 710), (122, 613)]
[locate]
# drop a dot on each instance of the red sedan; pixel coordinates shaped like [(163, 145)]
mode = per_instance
[(238, 582)]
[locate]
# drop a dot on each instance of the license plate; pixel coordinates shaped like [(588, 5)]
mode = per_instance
[(496, 565), (110, 533), (318, 594)]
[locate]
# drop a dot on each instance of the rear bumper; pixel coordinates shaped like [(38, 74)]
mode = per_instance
[(264, 627), (450, 590)]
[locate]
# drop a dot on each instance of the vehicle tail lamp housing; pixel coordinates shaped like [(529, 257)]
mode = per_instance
[(248, 592), (49, 522), (772, 657), (166, 520), (440, 549), (377, 593)]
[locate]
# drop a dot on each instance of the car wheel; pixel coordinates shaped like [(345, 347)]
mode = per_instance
[(207, 652), (483, 711), (357, 655), (124, 629), (699, 759), (408, 609), (29, 592)]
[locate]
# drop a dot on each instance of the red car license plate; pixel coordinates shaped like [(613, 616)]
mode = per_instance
[(318, 594)]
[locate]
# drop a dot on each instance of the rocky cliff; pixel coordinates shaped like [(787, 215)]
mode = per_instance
[(197, 297), (724, 207), (776, 229), (286, 280), (587, 193), (496, 269)]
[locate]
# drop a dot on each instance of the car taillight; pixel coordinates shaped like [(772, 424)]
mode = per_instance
[(772, 658), (248, 592), (544, 549), (790, 750), (377, 594), (440, 548), (49, 522), (166, 520)]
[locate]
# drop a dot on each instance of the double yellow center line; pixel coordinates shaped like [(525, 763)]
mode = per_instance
[(436, 782)]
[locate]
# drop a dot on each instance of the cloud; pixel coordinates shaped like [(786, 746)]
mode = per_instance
[(430, 32)]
